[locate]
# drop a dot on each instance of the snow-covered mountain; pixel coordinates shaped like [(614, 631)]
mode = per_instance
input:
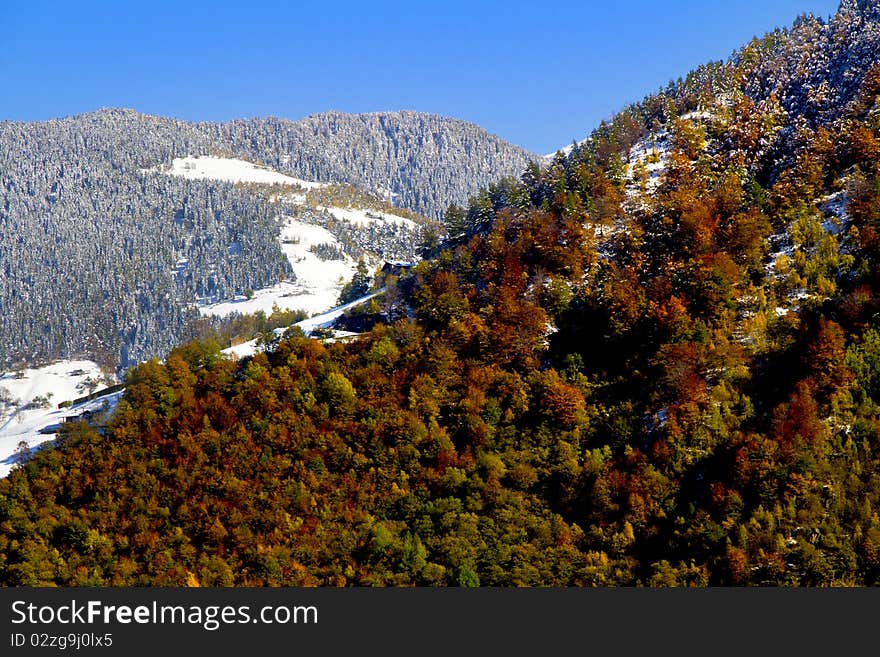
[(118, 230)]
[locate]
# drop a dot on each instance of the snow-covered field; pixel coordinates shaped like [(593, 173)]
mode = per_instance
[(326, 319), (31, 399), (318, 282), (207, 167)]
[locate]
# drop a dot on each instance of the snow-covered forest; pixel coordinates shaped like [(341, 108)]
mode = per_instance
[(101, 255)]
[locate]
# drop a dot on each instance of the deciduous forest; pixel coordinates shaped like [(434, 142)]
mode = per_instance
[(654, 360)]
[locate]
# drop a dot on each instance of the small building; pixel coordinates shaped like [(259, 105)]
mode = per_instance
[(85, 416), (396, 268)]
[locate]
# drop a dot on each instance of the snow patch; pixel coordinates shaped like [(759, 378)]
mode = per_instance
[(325, 320), (698, 115), (322, 320), (651, 153), (31, 399), (317, 282), (361, 217), (207, 167), (834, 209)]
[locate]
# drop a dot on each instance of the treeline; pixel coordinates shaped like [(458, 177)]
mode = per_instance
[(421, 162)]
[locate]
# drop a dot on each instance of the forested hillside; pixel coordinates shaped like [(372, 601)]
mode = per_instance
[(423, 162), (654, 361), (93, 239)]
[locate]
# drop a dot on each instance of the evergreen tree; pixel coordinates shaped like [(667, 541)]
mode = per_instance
[(359, 286)]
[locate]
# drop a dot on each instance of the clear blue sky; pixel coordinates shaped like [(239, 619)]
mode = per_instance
[(536, 73)]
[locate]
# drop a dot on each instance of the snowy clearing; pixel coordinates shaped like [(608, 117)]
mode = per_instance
[(207, 167), (317, 284), (31, 403), (360, 217), (324, 320)]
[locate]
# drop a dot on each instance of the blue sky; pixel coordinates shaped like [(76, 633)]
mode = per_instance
[(536, 73)]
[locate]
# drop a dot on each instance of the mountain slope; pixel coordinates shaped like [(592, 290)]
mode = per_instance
[(106, 258), (655, 361), (418, 161)]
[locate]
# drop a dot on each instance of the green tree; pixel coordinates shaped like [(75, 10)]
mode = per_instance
[(456, 220), (359, 285)]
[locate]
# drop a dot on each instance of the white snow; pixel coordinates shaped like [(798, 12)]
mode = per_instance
[(180, 266), (834, 209), (207, 167), (697, 115), (565, 150), (323, 320), (242, 350), (317, 284), (652, 152), (361, 217), (326, 319), (61, 381), (386, 193), (773, 258)]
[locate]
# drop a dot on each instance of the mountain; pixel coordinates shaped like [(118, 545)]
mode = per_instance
[(654, 360), (106, 256)]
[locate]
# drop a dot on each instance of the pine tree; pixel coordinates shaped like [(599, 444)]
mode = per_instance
[(359, 286)]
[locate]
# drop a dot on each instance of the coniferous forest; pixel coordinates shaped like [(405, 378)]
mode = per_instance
[(652, 360)]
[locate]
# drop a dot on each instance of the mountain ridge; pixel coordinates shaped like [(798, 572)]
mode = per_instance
[(332, 120)]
